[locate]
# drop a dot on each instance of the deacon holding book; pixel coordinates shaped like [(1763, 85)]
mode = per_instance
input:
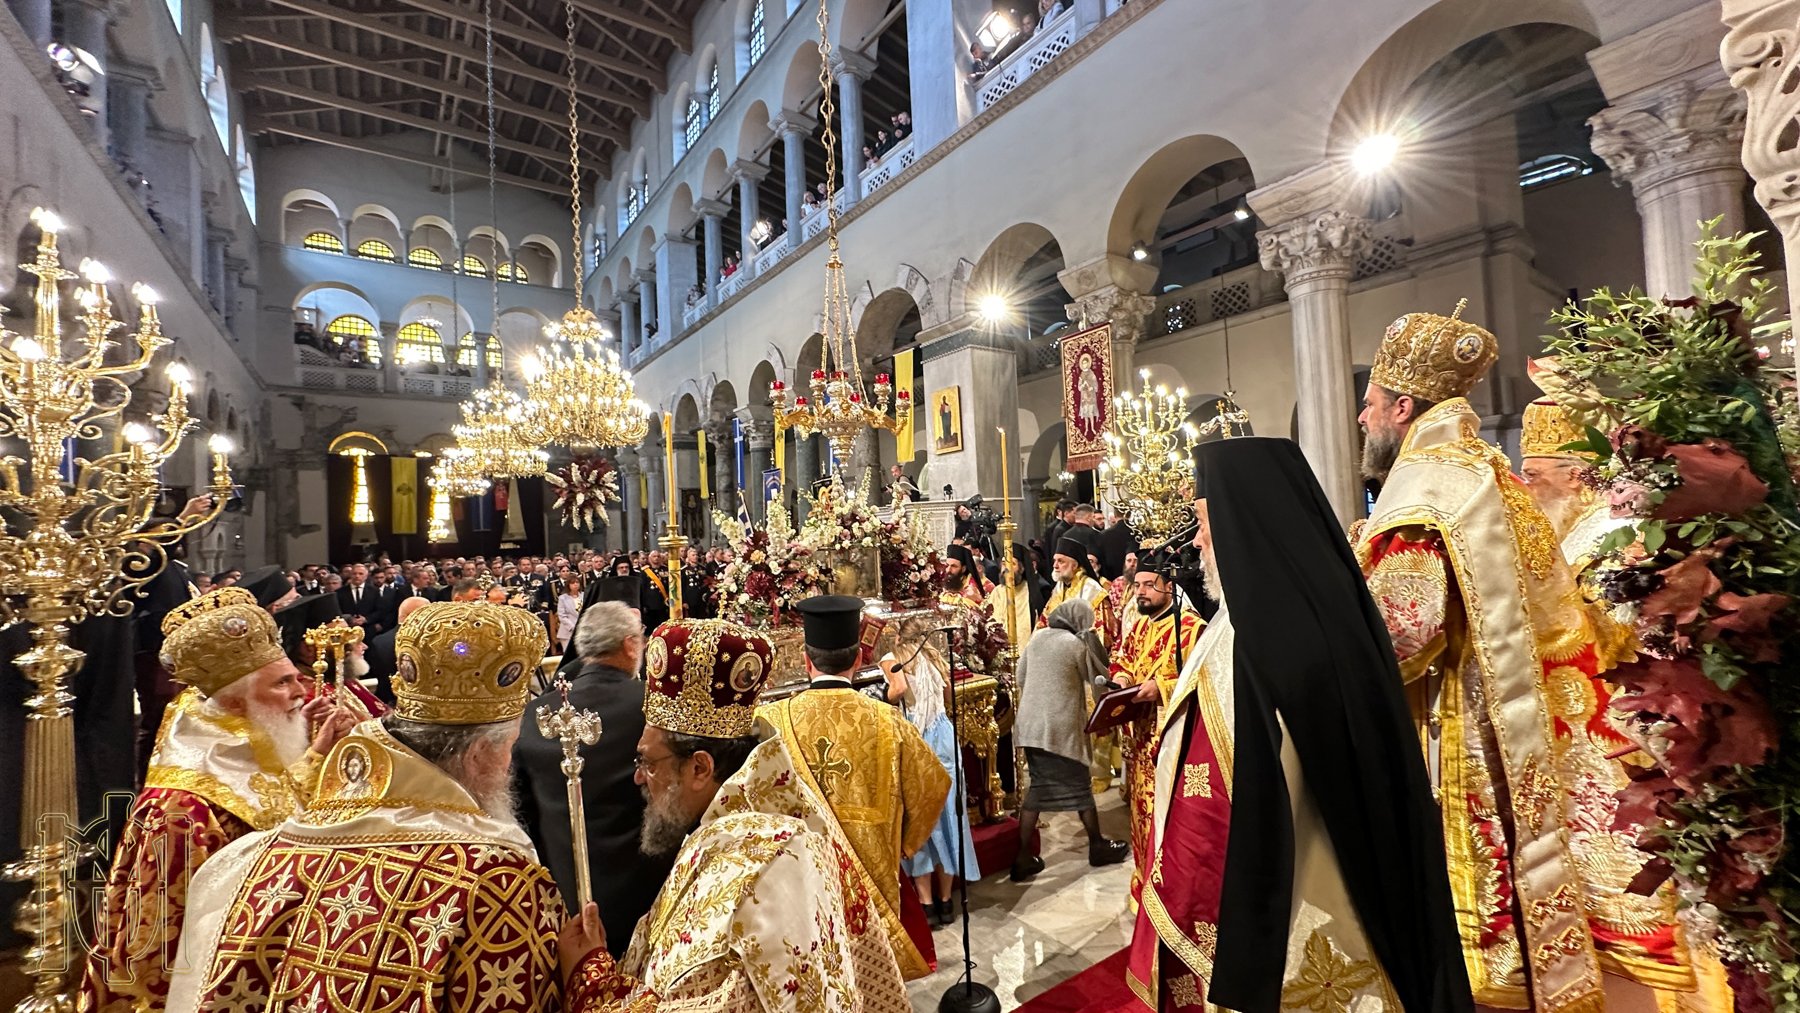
[(882, 780)]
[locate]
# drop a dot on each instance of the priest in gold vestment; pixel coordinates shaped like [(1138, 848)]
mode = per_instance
[(235, 753), (766, 908), (1581, 516), (407, 885), (1076, 580), (1150, 658), (1501, 662), (884, 783)]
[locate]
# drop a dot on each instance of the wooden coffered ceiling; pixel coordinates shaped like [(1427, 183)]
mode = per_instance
[(348, 72)]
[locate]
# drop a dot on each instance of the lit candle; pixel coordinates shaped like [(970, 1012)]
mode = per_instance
[(1005, 482), (669, 474)]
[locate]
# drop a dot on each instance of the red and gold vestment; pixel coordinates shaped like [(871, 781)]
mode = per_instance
[(395, 891), (766, 909), (1087, 589), (1148, 653), (1502, 664), (213, 778)]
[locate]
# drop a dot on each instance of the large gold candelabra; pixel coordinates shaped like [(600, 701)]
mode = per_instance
[(78, 535), (839, 407), (1151, 444)]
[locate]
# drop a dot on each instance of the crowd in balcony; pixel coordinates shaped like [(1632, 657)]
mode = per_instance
[(899, 129), (1000, 35), (346, 347)]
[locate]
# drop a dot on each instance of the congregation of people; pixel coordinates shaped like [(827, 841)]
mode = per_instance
[(1337, 755)]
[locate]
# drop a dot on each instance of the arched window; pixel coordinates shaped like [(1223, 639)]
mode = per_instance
[(635, 198), (759, 43), (375, 249), (713, 97), (324, 242), (471, 264), (520, 275), (694, 123), (465, 351), (418, 343), (212, 88), (358, 335), (496, 357), (246, 175), (504, 271), (425, 256)]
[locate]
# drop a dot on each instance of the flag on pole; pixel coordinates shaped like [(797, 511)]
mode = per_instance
[(700, 450), (743, 513), (771, 484), (903, 383), (737, 438)]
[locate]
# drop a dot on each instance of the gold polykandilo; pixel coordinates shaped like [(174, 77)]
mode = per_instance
[(1425, 355), (218, 638), (466, 663), (1546, 430)]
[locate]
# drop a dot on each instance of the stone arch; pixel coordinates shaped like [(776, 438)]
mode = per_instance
[(802, 77), (1375, 100), (494, 236), (880, 330), (603, 293), (687, 414), (703, 65), (681, 210), (754, 133), (678, 117), (715, 180), (852, 24), (372, 221), (1141, 204), (757, 393), (551, 254), (1026, 248), (455, 319), (623, 285), (437, 222), (723, 400), (322, 302), (647, 248), (1049, 444), (740, 35), (811, 354), (298, 220)]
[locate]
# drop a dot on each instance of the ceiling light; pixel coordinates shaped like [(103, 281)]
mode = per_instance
[(993, 308), (1375, 153), (1140, 252), (1241, 214)]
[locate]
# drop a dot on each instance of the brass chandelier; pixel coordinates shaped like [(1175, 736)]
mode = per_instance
[(496, 432), (78, 534), (839, 407), (580, 393), (1152, 443)]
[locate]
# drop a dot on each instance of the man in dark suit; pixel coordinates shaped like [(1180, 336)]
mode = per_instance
[(380, 654), (419, 584), (1115, 542), (655, 591), (610, 641), (358, 600)]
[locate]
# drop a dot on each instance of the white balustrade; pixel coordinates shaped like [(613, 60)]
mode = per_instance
[(892, 164), (1046, 45), (772, 254)]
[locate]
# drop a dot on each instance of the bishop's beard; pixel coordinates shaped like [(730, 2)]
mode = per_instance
[(666, 826), (286, 729), (1215, 588), (1381, 448)]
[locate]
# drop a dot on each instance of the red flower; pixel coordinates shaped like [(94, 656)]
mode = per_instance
[(1714, 479)]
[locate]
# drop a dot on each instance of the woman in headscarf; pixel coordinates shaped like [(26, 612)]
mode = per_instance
[(917, 682), (1058, 665)]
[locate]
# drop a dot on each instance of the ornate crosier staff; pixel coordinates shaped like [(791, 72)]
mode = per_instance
[(78, 535), (574, 729), (331, 645)]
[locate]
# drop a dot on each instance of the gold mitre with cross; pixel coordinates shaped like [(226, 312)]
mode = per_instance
[(1546, 429), (218, 638), (1433, 357), (466, 662)]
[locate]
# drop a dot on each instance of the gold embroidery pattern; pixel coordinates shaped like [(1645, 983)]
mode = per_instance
[(1206, 936), (1413, 590), (1196, 780), (826, 769), (1558, 903), (1570, 942), (1185, 990), (1536, 537), (1536, 795), (1328, 980)]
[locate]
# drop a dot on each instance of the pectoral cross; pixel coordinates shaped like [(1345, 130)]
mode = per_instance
[(826, 770), (574, 729)]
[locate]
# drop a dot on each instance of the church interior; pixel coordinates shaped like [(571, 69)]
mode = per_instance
[(716, 307)]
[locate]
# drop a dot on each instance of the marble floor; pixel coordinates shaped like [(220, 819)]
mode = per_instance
[(1027, 937)]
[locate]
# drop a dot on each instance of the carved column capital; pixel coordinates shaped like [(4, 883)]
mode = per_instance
[(1324, 244), (1671, 130), (1760, 40), (759, 427), (1123, 308), (628, 462)]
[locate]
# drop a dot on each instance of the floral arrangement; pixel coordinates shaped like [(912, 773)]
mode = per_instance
[(909, 560), (842, 523), (769, 573), (980, 646), (1696, 434), (583, 490)]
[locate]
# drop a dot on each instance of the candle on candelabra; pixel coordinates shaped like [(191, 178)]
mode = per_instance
[(1005, 481), (669, 473)]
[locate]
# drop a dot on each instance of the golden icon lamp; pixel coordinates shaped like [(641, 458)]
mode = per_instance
[(839, 410), (79, 534), (1151, 445), (579, 393)]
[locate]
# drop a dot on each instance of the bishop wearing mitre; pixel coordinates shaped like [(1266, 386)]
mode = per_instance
[(885, 785), (1501, 661), (1553, 471), (407, 885), (1298, 863), (236, 752), (766, 908)]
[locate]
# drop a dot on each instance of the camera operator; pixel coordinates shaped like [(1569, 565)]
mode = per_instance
[(975, 525)]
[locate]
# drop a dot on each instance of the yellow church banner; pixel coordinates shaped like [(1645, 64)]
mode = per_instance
[(404, 513), (700, 450), (903, 384)]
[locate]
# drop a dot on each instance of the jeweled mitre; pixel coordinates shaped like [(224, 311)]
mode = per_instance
[(1426, 355), (703, 677), (218, 638), (466, 662), (1546, 429)]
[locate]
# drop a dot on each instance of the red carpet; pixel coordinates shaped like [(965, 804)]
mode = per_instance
[(996, 845), (1099, 989)]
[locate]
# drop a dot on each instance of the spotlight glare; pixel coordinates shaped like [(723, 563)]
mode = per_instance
[(993, 308), (1375, 153)]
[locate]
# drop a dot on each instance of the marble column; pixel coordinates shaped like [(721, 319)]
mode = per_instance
[(650, 459), (1757, 54), (1316, 255), (84, 26), (646, 305), (721, 459), (748, 174), (129, 116), (34, 16), (794, 128), (1675, 133), (676, 271), (631, 333), (713, 214), (631, 499), (1027, 517), (804, 471), (759, 452), (937, 59), (985, 367), (851, 70)]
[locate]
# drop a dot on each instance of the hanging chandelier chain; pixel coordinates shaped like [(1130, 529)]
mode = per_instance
[(574, 158), (487, 14)]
